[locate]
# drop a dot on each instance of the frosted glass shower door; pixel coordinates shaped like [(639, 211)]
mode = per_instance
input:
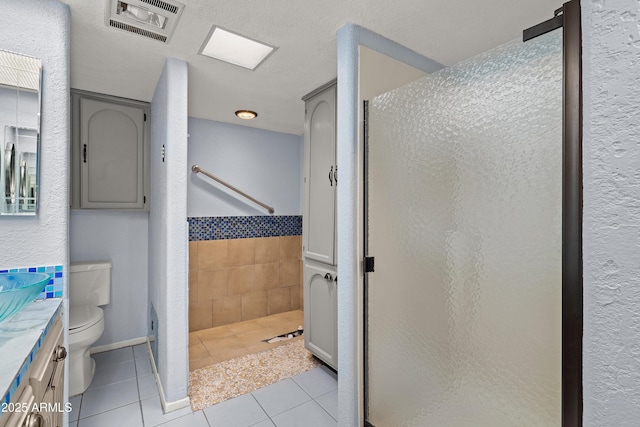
[(464, 312)]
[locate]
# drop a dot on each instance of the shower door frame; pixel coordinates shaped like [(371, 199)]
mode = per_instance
[(572, 276)]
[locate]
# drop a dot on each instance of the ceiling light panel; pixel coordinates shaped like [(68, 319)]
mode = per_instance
[(235, 49)]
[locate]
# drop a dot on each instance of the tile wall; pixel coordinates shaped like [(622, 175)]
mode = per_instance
[(235, 279)]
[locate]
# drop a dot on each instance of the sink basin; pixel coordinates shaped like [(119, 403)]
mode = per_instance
[(19, 289)]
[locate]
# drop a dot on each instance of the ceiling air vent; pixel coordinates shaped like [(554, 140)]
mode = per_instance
[(153, 19)]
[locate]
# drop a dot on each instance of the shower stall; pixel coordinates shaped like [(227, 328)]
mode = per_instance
[(470, 217)]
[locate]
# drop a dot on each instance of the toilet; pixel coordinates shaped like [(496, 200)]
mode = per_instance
[(89, 288)]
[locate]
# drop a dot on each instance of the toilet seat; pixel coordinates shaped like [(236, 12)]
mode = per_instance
[(84, 317)]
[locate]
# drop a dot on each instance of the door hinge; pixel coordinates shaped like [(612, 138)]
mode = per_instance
[(369, 264), (144, 200), (145, 117)]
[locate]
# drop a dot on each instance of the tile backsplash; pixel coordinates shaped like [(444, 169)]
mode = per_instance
[(243, 227), (54, 288)]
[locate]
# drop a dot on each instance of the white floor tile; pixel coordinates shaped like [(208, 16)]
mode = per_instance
[(140, 350), (241, 411), (113, 373), (153, 415), (125, 416), (329, 402), (308, 414), (265, 423), (143, 366), (147, 386), (317, 382), (280, 396), (73, 424), (75, 407), (113, 356), (97, 400), (196, 419)]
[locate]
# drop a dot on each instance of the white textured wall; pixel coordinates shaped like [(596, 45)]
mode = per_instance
[(168, 236), (40, 28), (611, 152), (264, 164), (120, 237)]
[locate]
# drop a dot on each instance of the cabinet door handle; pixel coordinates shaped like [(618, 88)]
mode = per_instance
[(34, 420), (84, 153), (335, 175), (331, 176), (328, 276), (60, 353)]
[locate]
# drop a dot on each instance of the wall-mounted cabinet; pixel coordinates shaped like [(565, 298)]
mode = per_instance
[(109, 152), (319, 225)]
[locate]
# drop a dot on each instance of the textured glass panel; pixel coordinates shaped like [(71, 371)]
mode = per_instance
[(465, 180)]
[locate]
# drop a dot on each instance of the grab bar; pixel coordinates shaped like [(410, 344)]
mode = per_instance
[(198, 169)]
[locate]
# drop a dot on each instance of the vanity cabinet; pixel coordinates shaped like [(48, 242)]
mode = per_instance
[(110, 152), (39, 399), (319, 225)]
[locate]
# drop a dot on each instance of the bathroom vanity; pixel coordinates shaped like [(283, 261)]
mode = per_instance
[(32, 369)]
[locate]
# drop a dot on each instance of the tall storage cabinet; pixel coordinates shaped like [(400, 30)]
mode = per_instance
[(110, 164), (319, 225)]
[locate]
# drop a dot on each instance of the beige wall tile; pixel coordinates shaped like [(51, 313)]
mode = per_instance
[(212, 284), (241, 252), (193, 285), (200, 315), (193, 256), (289, 273), (290, 248), (279, 300), (295, 297), (254, 305), (241, 280), (267, 276), (226, 310), (212, 254), (267, 250)]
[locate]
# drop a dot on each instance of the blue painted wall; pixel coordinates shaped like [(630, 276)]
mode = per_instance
[(266, 165)]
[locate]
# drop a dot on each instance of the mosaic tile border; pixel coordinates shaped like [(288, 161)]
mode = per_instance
[(29, 359), (243, 227), (53, 289)]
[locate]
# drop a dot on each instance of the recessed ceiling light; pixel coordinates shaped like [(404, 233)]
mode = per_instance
[(246, 114), (235, 49)]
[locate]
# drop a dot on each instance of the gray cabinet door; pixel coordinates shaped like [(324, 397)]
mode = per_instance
[(112, 142), (320, 312), (320, 177)]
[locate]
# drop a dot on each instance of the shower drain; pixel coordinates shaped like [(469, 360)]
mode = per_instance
[(286, 336)]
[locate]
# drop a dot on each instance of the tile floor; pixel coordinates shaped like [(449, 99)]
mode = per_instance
[(209, 346), (124, 393)]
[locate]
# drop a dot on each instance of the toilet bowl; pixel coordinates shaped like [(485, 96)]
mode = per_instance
[(89, 288), (86, 324)]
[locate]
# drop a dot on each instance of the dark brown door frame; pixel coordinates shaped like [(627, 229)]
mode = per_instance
[(572, 279)]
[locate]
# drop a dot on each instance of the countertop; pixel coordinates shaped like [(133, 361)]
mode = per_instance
[(20, 336)]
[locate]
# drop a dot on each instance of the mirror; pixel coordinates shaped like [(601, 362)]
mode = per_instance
[(20, 79)]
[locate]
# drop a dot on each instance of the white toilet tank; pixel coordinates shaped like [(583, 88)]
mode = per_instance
[(90, 283)]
